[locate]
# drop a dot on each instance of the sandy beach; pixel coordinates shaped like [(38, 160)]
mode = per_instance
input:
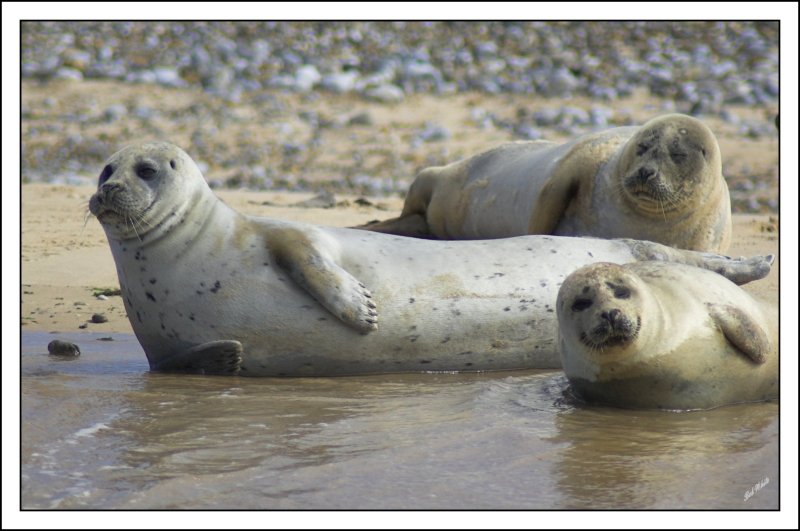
[(66, 260)]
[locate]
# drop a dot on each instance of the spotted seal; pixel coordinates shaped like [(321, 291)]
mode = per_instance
[(208, 289)]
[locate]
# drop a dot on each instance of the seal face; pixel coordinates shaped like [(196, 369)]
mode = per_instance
[(664, 336), (668, 163), (133, 192), (659, 182), (610, 322), (210, 290)]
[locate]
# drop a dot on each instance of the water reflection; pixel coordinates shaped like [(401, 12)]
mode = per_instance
[(102, 432)]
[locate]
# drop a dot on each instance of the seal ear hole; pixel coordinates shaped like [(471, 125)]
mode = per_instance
[(172, 164), (105, 174), (581, 304)]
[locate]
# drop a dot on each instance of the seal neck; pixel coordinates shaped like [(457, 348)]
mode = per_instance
[(187, 220)]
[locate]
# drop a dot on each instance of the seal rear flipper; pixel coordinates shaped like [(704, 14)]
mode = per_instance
[(737, 270), (335, 289), (214, 357), (741, 331), (412, 225)]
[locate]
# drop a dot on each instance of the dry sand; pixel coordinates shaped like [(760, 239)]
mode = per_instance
[(66, 258)]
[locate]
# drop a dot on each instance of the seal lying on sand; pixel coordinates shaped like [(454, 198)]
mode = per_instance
[(665, 335), (211, 290), (660, 182)]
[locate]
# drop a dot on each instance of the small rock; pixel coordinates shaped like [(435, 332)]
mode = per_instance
[(168, 77), (99, 318), (114, 113), (433, 133), (306, 77), (385, 94), (70, 74), (362, 118), (63, 348), (340, 82), (324, 199)]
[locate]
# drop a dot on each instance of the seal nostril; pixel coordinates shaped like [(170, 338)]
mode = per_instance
[(645, 174), (611, 316)]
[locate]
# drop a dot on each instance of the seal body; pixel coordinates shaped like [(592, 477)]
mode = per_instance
[(208, 289), (665, 336), (660, 182)]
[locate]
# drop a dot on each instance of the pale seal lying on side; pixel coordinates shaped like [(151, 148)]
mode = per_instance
[(665, 336), (211, 290), (660, 182)]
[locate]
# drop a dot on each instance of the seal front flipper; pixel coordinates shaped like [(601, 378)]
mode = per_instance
[(312, 267), (214, 357), (741, 331), (556, 195)]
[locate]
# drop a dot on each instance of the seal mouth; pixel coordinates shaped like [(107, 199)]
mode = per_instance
[(610, 334)]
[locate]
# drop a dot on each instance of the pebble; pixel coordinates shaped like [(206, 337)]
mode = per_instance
[(696, 67), (58, 347), (689, 61), (385, 94), (98, 318)]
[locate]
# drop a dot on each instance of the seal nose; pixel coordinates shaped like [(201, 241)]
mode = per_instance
[(107, 191), (644, 175), (612, 316)]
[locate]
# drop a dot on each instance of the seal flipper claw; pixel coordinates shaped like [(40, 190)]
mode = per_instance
[(741, 331), (214, 357)]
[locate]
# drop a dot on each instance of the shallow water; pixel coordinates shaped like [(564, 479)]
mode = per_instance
[(102, 432)]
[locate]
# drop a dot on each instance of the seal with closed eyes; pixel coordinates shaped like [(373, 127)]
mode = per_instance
[(660, 182)]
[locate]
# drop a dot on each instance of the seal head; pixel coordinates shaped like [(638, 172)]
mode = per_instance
[(135, 181), (670, 166)]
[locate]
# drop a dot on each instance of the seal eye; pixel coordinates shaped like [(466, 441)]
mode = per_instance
[(581, 304), (146, 172), (105, 174), (677, 158), (622, 293), (641, 149)]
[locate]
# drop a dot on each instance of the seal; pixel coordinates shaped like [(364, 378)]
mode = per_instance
[(661, 335), (208, 289), (660, 182)]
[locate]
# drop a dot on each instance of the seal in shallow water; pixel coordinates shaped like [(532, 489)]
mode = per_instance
[(660, 182), (211, 290), (666, 336)]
